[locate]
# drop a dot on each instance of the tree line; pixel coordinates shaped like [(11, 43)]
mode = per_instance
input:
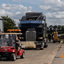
[(8, 23), (59, 28)]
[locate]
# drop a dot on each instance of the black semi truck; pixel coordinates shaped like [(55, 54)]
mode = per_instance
[(33, 26)]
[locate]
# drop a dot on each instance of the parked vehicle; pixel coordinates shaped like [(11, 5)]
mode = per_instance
[(56, 37), (8, 46), (33, 26)]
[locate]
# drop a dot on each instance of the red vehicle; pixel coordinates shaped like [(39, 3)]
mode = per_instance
[(8, 47)]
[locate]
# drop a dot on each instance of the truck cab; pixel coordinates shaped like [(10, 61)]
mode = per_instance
[(33, 27)]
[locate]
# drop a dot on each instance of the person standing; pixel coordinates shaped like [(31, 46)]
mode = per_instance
[(49, 37), (17, 44)]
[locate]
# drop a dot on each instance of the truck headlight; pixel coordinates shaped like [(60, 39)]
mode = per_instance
[(40, 37), (22, 37)]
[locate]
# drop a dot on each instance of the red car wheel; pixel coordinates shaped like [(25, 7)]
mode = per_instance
[(23, 55)]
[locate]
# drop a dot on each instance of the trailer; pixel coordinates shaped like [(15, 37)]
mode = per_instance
[(33, 26)]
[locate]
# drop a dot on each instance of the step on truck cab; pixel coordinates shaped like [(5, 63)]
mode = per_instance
[(33, 26)]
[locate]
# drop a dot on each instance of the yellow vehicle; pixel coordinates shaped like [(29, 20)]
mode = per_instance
[(56, 38)]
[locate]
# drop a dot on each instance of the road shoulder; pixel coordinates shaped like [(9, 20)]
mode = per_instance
[(59, 58)]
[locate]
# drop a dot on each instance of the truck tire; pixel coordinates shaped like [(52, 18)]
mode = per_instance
[(53, 41), (13, 57), (8, 58), (23, 55), (45, 45), (0, 58), (41, 47), (59, 41)]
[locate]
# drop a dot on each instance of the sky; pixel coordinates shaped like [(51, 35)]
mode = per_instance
[(53, 9)]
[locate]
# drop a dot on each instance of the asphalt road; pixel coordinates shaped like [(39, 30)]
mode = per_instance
[(44, 56)]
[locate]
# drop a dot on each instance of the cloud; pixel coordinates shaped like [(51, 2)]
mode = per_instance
[(56, 18), (52, 2), (54, 10), (53, 5), (19, 1), (4, 12), (45, 7), (16, 7), (56, 15), (14, 11), (55, 21)]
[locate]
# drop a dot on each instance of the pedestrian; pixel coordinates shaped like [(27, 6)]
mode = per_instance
[(49, 37), (52, 35)]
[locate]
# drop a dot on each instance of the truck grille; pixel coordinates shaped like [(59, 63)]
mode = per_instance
[(30, 35)]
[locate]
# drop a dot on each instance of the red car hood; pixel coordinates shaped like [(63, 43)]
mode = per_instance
[(7, 47)]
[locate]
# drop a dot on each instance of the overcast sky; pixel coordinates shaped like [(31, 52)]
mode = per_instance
[(53, 9)]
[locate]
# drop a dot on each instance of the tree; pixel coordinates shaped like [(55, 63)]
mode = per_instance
[(50, 28), (8, 23), (62, 28), (55, 27), (59, 27)]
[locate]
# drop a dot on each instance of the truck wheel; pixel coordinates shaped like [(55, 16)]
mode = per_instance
[(53, 41), (41, 48), (0, 59), (13, 57), (23, 55), (8, 58), (45, 45), (59, 41)]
